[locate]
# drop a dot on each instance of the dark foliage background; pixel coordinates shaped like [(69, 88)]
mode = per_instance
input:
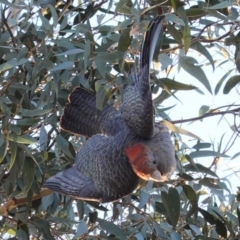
[(49, 47)]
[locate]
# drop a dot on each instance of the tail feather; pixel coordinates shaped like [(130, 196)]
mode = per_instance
[(137, 109), (152, 35), (148, 49)]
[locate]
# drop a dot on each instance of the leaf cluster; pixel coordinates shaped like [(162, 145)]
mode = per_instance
[(49, 47)]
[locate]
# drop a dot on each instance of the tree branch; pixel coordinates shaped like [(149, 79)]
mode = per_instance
[(14, 202), (209, 114)]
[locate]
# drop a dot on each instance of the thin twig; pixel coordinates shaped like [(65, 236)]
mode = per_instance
[(210, 114)]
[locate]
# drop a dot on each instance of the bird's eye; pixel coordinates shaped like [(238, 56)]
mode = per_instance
[(154, 162)]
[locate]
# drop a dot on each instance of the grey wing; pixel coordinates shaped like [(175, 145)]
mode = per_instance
[(80, 115), (136, 109), (101, 173), (72, 183)]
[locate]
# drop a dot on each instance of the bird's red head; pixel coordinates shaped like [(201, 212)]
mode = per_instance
[(142, 163)]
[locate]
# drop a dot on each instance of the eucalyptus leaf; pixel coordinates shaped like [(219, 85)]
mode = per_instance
[(231, 83), (63, 145), (200, 168), (54, 15), (207, 153), (175, 85), (13, 147), (70, 52), (28, 174), (221, 5), (81, 229), (222, 79), (113, 229), (203, 50), (25, 139), (171, 202), (189, 65)]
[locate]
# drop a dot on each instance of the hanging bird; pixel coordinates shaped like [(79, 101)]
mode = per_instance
[(124, 144)]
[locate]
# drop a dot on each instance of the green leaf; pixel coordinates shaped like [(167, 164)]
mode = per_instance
[(213, 184), (70, 52), (221, 5), (11, 64), (82, 28), (207, 216), (238, 214), (202, 49), (13, 148), (195, 13), (20, 5), (103, 95), (124, 6), (93, 217), (35, 113), (221, 228), (112, 229), (22, 232), (204, 238), (120, 4), (101, 67), (63, 220), (188, 64), (123, 44), (190, 194), (171, 202), (3, 150), (174, 5), (174, 128), (175, 33), (159, 207), (43, 138), (54, 15), (135, 217), (235, 155), (63, 145), (203, 109), (45, 22), (144, 197), (80, 208), (186, 176), (207, 153), (81, 229), (47, 201), (200, 168), (174, 19), (109, 57), (27, 121), (231, 83), (190, 160), (62, 66), (174, 85), (193, 199), (200, 145), (25, 139), (124, 24), (220, 82), (175, 236), (28, 174), (44, 227), (186, 31), (87, 50)]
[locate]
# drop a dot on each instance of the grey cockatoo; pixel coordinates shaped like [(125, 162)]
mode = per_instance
[(124, 144)]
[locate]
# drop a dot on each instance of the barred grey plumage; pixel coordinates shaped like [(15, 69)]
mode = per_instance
[(123, 146)]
